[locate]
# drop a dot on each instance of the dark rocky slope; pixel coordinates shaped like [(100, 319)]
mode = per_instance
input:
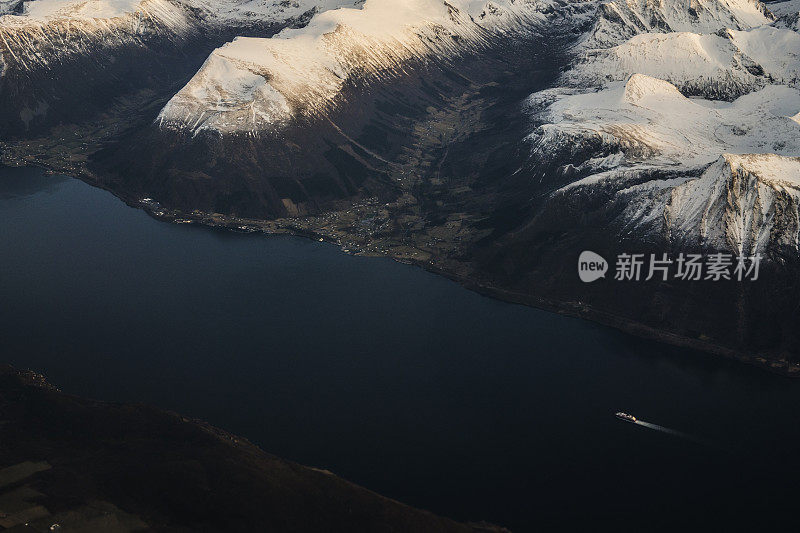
[(81, 463)]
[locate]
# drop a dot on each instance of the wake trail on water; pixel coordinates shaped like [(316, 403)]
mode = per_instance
[(674, 433)]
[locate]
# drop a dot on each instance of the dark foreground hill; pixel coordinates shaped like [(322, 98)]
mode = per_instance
[(72, 464)]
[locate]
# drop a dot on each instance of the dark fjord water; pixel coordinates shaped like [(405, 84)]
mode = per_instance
[(387, 375)]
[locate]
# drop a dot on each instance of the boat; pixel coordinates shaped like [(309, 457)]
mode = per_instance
[(625, 416)]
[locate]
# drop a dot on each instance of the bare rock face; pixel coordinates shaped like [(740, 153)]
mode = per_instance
[(746, 203)]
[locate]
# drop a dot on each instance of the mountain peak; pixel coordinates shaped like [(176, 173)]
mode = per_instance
[(640, 87)]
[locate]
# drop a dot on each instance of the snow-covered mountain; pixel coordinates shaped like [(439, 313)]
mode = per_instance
[(692, 117), (785, 8), (61, 59), (652, 87), (647, 122), (256, 84)]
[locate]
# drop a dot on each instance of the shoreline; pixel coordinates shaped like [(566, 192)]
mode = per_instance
[(570, 309), (565, 308)]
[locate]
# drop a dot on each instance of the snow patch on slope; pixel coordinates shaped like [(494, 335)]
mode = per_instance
[(776, 50), (232, 96)]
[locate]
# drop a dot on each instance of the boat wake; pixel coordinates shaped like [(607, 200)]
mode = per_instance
[(662, 429), (668, 431)]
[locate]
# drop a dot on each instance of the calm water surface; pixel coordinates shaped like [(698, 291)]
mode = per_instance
[(387, 375)]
